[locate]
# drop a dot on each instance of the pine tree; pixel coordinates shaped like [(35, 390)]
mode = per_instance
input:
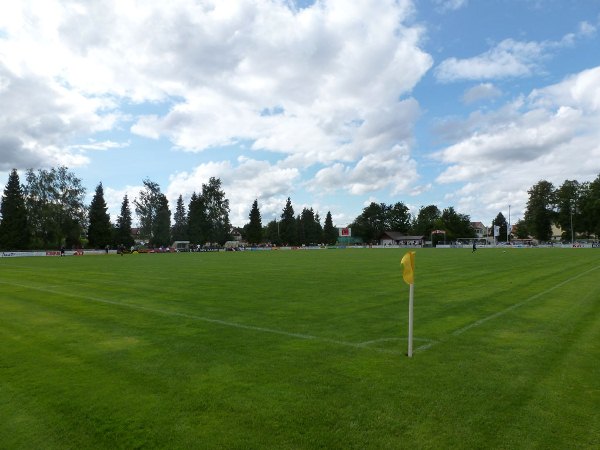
[(287, 227), (123, 228), (14, 230), (99, 230), (254, 229), (197, 221), (180, 227), (330, 234), (161, 227)]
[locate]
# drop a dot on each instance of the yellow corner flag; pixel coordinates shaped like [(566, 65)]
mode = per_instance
[(408, 261)]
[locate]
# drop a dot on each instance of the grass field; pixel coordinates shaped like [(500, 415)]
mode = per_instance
[(301, 350)]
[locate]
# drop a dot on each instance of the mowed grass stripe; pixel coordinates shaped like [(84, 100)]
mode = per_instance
[(83, 374), (363, 345)]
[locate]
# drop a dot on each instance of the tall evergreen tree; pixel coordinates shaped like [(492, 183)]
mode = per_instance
[(254, 229), (197, 220), (14, 229), (288, 233), (271, 232), (161, 227), (500, 221), (180, 226), (330, 233), (99, 229), (123, 228)]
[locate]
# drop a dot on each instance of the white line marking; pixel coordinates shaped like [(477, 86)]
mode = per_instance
[(209, 320), (504, 311)]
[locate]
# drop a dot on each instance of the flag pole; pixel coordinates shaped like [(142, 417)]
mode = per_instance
[(410, 319)]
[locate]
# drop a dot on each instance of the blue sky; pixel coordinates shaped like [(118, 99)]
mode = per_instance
[(333, 103)]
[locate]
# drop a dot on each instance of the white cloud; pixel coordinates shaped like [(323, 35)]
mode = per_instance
[(332, 72), (481, 92), (552, 134), (443, 6), (392, 170), (509, 58), (242, 183)]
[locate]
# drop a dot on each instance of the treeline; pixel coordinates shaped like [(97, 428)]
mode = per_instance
[(296, 230), (573, 206), (48, 211), (379, 217)]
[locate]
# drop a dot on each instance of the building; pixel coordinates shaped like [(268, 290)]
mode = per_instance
[(397, 238), (480, 229)]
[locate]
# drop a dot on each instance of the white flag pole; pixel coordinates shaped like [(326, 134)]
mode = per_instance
[(410, 320)]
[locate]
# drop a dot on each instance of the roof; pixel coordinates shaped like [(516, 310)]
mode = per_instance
[(477, 225), (397, 236)]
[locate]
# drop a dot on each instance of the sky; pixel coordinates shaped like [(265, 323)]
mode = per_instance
[(333, 103)]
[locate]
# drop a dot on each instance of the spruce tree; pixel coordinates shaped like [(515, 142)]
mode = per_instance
[(99, 230), (123, 228), (287, 227), (197, 221), (180, 226), (161, 227), (254, 229), (330, 233), (14, 230)]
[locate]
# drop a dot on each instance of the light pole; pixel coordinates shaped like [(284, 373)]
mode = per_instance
[(508, 227), (572, 234)]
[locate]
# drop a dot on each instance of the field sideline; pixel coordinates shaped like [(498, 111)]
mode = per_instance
[(301, 349)]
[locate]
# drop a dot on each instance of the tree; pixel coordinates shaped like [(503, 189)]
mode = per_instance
[(180, 227), (147, 206), (311, 230), (398, 218), (197, 220), (520, 229), (14, 228), (568, 204), (540, 214), (371, 222), (288, 233), (123, 228), (99, 229), (427, 220), (217, 211), (456, 225), (330, 233), (161, 227), (254, 229), (588, 220), (271, 231), (54, 201), (500, 221)]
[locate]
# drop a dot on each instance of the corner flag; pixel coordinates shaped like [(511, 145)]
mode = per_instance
[(408, 261)]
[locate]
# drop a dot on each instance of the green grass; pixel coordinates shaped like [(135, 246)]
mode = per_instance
[(295, 350)]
